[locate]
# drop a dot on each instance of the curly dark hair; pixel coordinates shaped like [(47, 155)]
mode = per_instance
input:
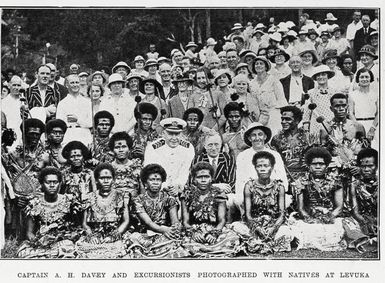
[(104, 114), (152, 169), (263, 154), (317, 152), (202, 165), (119, 136), (367, 152), (193, 110), (50, 171), (297, 113), (103, 166)]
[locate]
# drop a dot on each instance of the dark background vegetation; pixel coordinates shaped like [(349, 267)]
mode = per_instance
[(102, 37)]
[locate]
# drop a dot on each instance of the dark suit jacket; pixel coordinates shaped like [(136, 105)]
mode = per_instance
[(225, 172), (360, 39), (307, 84), (175, 107)]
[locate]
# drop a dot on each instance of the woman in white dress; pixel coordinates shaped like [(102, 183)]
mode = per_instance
[(364, 104), (269, 91)]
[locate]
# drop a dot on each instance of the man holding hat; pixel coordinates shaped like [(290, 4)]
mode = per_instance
[(119, 104), (41, 98), (75, 110), (172, 153), (256, 136), (55, 131), (143, 133)]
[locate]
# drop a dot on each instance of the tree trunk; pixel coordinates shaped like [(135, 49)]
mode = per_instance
[(208, 23), (240, 16), (199, 33)]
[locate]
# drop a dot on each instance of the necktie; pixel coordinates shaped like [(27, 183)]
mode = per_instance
[(214, 164)]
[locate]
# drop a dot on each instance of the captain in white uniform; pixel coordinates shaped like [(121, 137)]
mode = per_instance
[(173, 153)]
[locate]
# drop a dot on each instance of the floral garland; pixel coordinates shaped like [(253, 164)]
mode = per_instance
[(202, 210)]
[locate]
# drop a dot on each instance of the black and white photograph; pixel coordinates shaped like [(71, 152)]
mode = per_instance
[(190, 134)]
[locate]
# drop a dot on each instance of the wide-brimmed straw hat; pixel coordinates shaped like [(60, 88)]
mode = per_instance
[(115, 78), (121, 64), (253, 126), (322, 69)]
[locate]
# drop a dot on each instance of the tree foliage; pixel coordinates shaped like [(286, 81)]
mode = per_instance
[(96, 37)]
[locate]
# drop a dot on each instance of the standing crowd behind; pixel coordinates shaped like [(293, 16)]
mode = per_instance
[(266, 144)]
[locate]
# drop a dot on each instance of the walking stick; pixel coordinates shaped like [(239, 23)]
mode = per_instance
[(22, 100), (215, 107), (93, 123)]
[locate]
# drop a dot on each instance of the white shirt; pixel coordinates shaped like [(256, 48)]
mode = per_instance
[(122, 109), (375, 24), (80, 107), (351, 30), (246, 171), (339, 44), (296, 89), (176, 161), (327, 27), (10, 105)]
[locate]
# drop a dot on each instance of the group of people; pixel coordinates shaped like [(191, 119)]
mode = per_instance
[(269, 145)]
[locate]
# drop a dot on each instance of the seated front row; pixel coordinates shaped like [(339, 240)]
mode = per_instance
[(105, 225)]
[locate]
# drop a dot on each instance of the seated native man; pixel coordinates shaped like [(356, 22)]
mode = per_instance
[(173, 153), (77, 179), (362, 228), (127, 170), (224, 169)]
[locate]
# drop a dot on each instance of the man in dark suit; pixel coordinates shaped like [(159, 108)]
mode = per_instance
[(362, 35), (224, 169), (41, 98), (296, 85), (60, 90)]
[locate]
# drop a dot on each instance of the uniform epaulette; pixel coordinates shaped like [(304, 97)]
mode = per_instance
[(158, 143), (184, 143)]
